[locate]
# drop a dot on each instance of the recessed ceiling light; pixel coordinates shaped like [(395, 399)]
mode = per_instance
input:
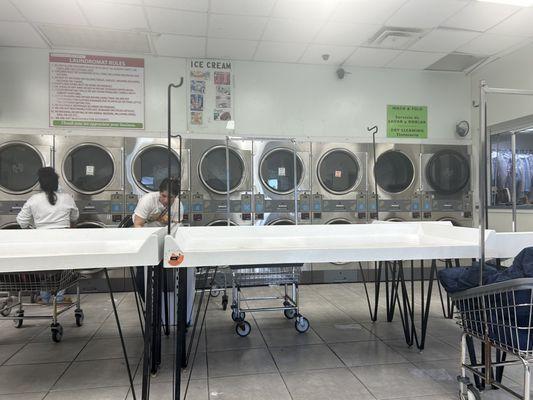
[(520, 3)]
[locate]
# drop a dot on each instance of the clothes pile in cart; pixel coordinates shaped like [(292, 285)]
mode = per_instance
[(507, 314)]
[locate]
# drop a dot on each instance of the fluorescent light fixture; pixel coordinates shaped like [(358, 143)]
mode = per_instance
[(520, 3)]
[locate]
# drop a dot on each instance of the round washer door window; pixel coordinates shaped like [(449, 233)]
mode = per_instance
[(88, 168), (394, 172), (89, 225), (282, 222), (338, 171), (213, 170), (14, 225), (150, 167), (448, 172), (222, 222), (277, 171), (338, 221), (19, 163)]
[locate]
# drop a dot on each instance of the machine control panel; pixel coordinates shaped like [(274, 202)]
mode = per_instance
[(426, 206), (197, 207), (372, 209), (395, 205), (339, 206), (467, 206), (415, 207), (316, 205), (259, 204), (131, 203), (246, 207), (279, 206), (186, 205), (304, 206), (10, 207), (361, 206)]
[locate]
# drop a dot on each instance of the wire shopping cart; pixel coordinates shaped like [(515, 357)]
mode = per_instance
[(272, 275), (500, 315), (14, 285)]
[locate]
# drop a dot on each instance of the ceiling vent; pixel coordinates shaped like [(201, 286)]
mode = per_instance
[(395, 38), (69, 37), (456, 62)]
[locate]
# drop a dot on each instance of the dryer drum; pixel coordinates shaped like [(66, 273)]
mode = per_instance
[(276, 170), (448, 172), (213, 170), (221, 222), (90, 224), (88, 168), (13, 225), (338, 171), (282, 221), (19, 163), (394, 172), (150, 167)]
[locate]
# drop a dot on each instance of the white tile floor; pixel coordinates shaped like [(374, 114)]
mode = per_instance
[(343, 356)]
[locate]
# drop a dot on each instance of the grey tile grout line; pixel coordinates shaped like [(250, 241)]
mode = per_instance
[(271, 355), (74, 359)]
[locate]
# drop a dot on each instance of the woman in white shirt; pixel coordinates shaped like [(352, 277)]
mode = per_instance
[(48, 209)]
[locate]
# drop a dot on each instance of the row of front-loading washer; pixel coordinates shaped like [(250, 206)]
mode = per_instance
[(336, 182)]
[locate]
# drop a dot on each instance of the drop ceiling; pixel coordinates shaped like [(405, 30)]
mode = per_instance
[(295, 31)]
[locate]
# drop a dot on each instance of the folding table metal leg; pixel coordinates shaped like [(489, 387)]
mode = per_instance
[(117, 320), (138, 300), (181, 351), (426, 302), (377, 279), (447, 306), (165, 300), (156, 321), (148, 334)]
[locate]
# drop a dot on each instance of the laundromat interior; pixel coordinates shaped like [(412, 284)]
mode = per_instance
[(266, 199)]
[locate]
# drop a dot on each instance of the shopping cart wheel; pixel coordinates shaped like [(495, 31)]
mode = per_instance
[(243, 328), (78, 314), (301, 324), (215, 291), (225, 302), (238, 316), (18, 322), (289, 314), (57, 332), (6, 307), (471, 393)]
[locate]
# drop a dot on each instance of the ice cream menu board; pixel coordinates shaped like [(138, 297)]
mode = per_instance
[(96, 91), (210, 91)]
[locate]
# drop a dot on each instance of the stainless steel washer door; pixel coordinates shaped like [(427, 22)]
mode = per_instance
[(448, 172), (88, 168), (394, 172), (221, 222), (282, 221), (212, 169), (150, 167), (276, 170), (19, 163), (338, 171)]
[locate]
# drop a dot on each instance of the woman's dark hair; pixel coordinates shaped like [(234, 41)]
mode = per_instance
[(49, 181), (174, 186)]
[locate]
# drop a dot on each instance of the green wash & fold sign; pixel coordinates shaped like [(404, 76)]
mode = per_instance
[(407, 122)]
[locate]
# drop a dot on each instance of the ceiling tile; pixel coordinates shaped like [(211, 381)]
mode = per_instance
[(365, 11), (479, 16), (8, 12), (175, 21), (288, 30), (112, 15), (136, 2), (231, 49), (425, 13), (189, 5), (242, 7), (20, 34), (279, 52), (415, 60), (337, 54), (304, 9), (180, 46), (518, 24), (488, 44), (444, 40), (368, 57), (236, 27), (64, 12), (345, 34)]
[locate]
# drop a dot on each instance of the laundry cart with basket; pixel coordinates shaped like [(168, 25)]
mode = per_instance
[(501, 316), (285, 275), (14, 286)]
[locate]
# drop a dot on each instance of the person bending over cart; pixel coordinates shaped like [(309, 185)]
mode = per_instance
[(49, 209), (152, 211)]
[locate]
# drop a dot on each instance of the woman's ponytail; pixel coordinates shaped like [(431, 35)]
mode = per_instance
[(49, 182)]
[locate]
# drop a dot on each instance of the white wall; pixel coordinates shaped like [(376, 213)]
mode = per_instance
[(511, 71), (270, 99)]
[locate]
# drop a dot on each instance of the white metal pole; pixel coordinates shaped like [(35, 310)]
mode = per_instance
[(513, 172), (482, 176)]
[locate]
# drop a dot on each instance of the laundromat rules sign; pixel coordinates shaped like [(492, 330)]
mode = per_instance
[(407, 122)]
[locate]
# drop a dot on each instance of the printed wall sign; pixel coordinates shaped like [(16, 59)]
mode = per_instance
[(210, 95), (96, 91), (407, 121)]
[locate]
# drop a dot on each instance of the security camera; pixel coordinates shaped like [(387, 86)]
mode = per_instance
[(340, 73), (325, 57)]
